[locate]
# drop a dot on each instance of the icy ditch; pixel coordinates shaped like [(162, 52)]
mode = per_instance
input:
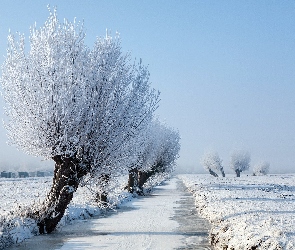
[(249, 212), (18, 196)]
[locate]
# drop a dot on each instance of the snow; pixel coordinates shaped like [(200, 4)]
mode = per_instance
[(250, 212), (150, 222), (145, 225), (19, 196), (255, 212)]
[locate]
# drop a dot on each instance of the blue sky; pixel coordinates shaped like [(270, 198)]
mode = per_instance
[(225, 69)]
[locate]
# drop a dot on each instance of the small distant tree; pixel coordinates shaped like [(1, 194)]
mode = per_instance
[(240, 161), (261, 168), (213, 163)]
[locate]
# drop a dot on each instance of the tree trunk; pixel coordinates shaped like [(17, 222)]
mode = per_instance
[(67, 175), (213, 173), (142, 178), (222, 172), (102, 197), (238, 172), (132, 180)]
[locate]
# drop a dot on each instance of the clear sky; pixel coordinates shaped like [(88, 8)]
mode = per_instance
[(225, 69)]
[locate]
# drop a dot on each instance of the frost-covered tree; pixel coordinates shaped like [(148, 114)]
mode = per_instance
[(80, 107), (240, 161), (261, 168), (163, 154), (212, 162), (157, 155), (146, 149)]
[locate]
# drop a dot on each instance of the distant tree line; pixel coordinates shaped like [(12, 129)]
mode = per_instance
[(239, 162)]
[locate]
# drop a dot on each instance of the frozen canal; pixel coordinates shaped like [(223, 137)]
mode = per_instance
[(166, 219)]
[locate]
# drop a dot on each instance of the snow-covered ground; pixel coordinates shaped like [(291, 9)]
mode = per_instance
[(165, 219), (250, 212), (20, 195)]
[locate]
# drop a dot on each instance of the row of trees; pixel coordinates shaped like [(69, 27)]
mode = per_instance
[(89, 110), (157, 156), (239, 162)]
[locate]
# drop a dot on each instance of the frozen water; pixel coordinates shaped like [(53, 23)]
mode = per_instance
[(166, 219)]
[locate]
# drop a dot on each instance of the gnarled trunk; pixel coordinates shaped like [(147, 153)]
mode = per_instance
[(213, 173), (142, 178), (67, 175), (238, 172), (102, 197), (222, 172), (132, 185)]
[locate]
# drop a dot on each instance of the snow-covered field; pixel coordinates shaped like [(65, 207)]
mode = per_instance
[(162, 220), (18, 196), (250, 212)]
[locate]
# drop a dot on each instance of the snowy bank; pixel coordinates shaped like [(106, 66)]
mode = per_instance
[(250, 212), (20, 196)]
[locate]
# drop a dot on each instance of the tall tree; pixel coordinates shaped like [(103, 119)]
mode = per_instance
[(80, 107)]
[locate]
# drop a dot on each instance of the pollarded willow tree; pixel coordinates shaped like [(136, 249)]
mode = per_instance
[(161, 154), (212, 162), (143, 156), (157, 155), (240, 161), (80, 107), (262, 168)]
